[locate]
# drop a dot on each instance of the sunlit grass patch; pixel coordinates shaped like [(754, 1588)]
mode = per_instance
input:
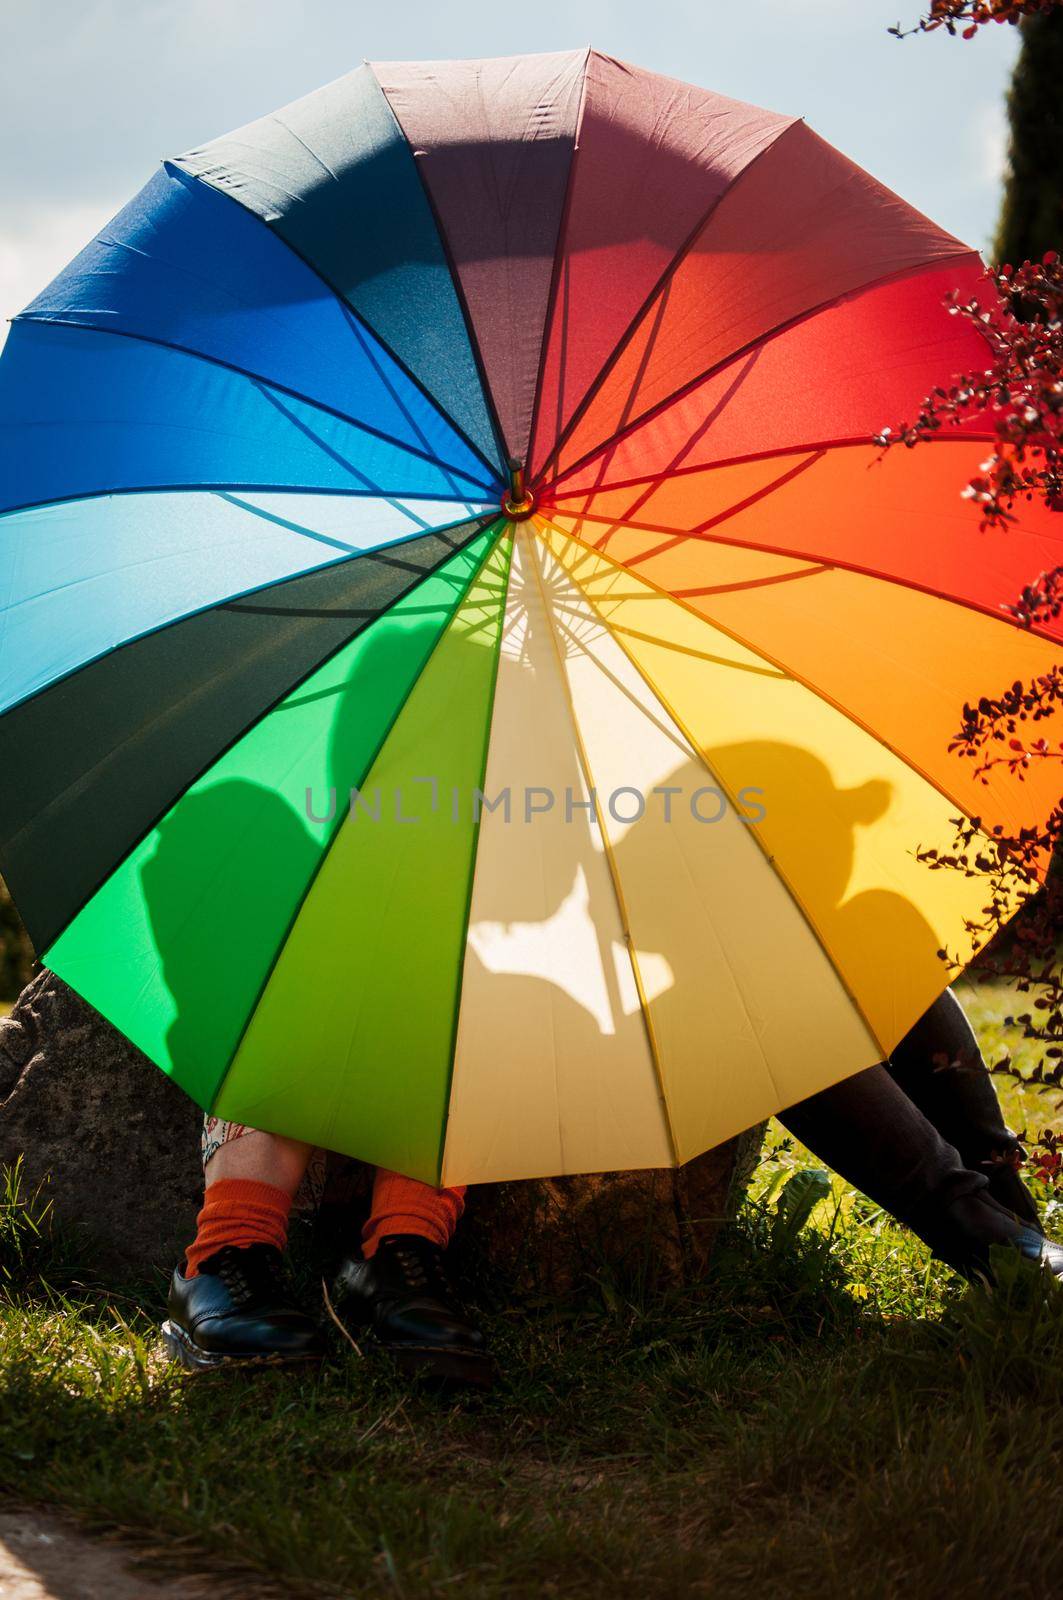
[(829, 1413), (827, 1406)]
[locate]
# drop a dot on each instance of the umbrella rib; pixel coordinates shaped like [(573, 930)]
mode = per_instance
[(614, 876), (219, 754), (459, 981), (782, 667), (629, 427), (844, 442), (658, 288), (677, 535), (559, 255), (223, 486), (312, 533), (379, 552), (455, 280), (346, 305), (308, 886), (726, 788), (259, 379), (371, 357)]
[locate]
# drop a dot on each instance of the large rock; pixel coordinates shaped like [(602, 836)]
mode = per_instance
[(116, 1142), (118, 1146)]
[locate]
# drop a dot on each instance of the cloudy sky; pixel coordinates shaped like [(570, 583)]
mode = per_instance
[(94, 92)]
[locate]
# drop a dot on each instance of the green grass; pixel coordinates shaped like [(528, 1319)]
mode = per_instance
[(989, 1006), (832, 1417), (829, 1414)]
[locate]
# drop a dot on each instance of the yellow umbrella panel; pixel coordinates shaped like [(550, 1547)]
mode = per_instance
[(738, 918)]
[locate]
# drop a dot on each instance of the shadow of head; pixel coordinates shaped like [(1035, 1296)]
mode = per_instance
[(812, 821), (235, 857)]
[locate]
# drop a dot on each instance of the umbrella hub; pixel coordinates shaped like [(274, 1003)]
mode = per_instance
[(518, 502)]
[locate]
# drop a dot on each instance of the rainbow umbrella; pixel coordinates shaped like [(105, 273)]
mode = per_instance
[(472, 695)]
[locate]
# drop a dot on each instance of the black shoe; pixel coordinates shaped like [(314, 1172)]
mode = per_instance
[(237, 1311), (967, 1229), (1035, 1247), (404, 1297)]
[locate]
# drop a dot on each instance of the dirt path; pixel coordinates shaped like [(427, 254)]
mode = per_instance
[(43, 1558)]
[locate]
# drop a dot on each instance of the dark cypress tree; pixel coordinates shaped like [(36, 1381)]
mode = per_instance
[(1031, 216)]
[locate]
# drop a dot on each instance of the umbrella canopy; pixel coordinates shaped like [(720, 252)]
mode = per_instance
[(471, 694)]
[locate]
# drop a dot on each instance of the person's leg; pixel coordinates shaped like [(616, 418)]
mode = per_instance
[(403, 1205), (232, 1152), (399, 1287), (250, 1179), (940, 1067), (877, 1138), (868, 1130), (228, 1301)]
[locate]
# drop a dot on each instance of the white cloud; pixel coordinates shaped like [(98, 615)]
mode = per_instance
[(989, 133), (94, 92), (38, 243)]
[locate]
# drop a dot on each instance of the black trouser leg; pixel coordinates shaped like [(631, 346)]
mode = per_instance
[(939, 1066), (868, 1130), (921, 1130)]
